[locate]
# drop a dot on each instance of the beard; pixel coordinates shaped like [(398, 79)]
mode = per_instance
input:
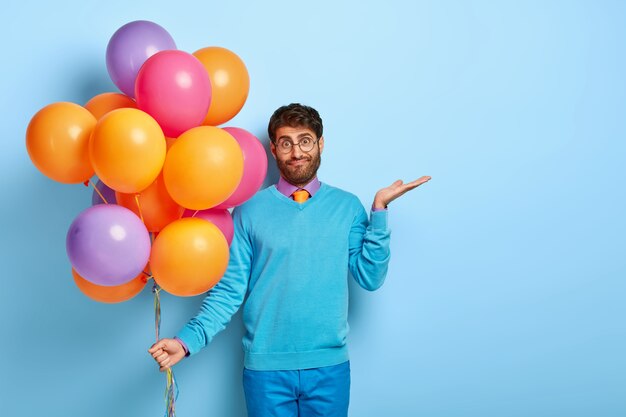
[(300, 175)]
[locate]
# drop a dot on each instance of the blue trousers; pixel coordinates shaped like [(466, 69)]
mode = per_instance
[(317, 392)]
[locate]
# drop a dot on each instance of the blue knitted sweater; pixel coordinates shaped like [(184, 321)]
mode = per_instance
[(290, 264)]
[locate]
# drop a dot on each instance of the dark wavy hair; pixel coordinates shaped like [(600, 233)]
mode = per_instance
[(295, 115)]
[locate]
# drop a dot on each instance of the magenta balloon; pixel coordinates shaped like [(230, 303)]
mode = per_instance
[(254, 167), (108, 244), (219, 217), (174, 88), (129, 47)]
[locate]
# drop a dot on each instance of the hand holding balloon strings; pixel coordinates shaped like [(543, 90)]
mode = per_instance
[(171, 388)]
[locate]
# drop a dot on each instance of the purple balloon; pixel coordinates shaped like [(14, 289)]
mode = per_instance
[(107, 193), (108, 244), (129, 47)]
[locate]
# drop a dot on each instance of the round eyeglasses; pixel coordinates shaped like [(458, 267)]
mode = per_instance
[(305, 144)]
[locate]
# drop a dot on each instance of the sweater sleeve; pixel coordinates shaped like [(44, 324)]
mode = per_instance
[(369, 249), (225, 298)]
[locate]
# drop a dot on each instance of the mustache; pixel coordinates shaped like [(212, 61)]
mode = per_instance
[(303, 158)]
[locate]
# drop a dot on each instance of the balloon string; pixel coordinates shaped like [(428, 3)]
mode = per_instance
[(139, 207), (148, 276), (194, 214), (157, 309), (171, 387), (98, 191), (171, 393)]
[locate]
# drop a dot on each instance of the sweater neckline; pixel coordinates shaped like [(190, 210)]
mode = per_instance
[(300, 206)]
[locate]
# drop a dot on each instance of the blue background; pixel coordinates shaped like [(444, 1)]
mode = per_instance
[(505, 295)]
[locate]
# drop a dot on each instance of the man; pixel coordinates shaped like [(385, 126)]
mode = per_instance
[(293, 247)]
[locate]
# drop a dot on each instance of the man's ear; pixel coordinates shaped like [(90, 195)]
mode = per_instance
[(273, 149), (321, 142)]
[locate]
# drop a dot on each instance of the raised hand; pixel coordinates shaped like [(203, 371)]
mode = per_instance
[(386, 195)]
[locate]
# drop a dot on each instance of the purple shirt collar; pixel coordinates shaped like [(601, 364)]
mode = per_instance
[(287, 189)]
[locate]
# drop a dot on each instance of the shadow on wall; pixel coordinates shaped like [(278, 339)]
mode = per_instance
[(90, 79)]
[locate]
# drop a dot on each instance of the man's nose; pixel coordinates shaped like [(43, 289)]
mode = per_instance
[(296, 151)]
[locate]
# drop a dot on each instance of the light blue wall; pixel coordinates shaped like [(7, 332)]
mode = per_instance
[(506, 291)]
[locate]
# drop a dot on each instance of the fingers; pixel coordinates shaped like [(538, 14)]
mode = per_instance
[(166, 352), (157, 346), (398, 188), (420, 180), (165, 365), (399, 185), (413, 184), (165, 362), (159, 353), (163, 359)]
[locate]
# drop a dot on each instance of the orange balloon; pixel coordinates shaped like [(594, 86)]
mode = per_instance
[(57, 140), (189, 256), (169, 142), (230, 83), (157, 207), (203, 167), (127, 150), (103, 103), (114, 294)]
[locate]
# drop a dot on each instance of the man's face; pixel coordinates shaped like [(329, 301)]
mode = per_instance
[(296, 166)]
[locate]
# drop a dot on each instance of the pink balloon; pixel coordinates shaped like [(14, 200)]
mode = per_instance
[(254, 167), (219, 217), (174, 88)]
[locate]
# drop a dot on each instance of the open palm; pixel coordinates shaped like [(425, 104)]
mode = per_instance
[(386, 195)]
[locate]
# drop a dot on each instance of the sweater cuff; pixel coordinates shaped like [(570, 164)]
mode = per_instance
[(378, 220), (186, 338), (183, 344)]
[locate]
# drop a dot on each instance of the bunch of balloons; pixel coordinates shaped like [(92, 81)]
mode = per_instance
[(167, 173)]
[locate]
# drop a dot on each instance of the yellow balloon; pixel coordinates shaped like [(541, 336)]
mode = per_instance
[(127, 150), (230, 83), (189, 256), (57, 141), (203, 167)]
